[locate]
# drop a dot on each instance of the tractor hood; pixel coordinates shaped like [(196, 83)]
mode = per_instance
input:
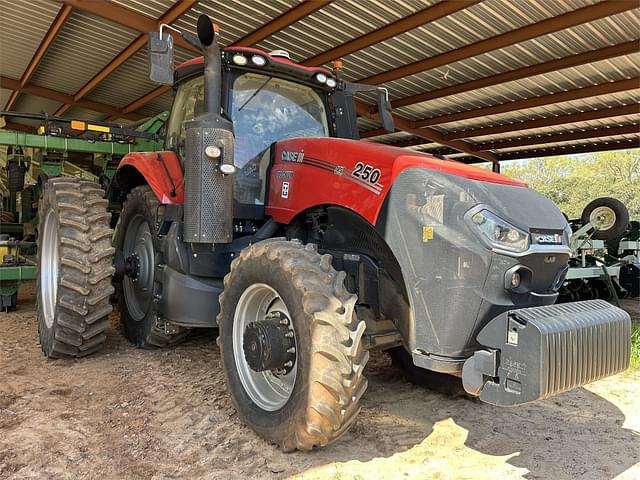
[(359, 175)]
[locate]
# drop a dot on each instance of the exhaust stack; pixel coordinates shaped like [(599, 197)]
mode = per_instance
[(208, 203), (208, 163)]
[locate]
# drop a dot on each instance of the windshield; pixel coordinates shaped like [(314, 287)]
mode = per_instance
[(268, 109)]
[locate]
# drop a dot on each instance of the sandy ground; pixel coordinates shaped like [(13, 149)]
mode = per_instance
[(128, 413)]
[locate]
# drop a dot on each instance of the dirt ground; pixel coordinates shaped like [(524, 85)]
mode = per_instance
[(128, 413)]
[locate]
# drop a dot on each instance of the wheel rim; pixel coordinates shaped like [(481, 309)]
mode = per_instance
[(138, 246), (49, 261), (603, 217), (268, 390)]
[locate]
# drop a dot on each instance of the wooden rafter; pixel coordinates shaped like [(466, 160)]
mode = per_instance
[(44, 92), (576, 94), (571, 19), (566, 136), (291, 16), (524, 72), (415, 20), (46, 42), (564, 150), (427, 133), (123, 16), (170, 16), (546, 122), (287, 18)]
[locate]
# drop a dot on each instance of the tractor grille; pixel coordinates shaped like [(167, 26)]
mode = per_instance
[(208, 204)]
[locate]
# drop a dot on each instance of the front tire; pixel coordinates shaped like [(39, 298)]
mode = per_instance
[(317, 400), (74, 268), (137, 244)]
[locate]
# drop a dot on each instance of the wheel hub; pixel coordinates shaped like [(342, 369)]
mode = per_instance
[(132, 266), (603, 218), (270, 344)]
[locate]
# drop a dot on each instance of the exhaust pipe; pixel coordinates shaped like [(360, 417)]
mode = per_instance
[(209, 165)]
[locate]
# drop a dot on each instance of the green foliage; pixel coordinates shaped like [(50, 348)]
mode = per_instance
[(573, 181), (635, 347)]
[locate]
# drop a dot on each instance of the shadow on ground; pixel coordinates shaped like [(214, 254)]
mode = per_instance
[(129, 413)]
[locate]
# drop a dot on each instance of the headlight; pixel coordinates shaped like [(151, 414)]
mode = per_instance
[(240, 59), (331, 83), (321, 77), (500, 233), (259, 60)]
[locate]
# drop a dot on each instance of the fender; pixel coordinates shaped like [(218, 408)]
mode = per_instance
[(353, 174), (161, 170)]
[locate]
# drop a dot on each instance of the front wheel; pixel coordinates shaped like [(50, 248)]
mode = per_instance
[(291, 344)]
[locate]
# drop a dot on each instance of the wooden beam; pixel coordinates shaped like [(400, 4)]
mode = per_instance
[(156, 92), (44, 92), (430, 134), (546, 122), (576, 94), (124, 16), (170, 16), (566, 136), (20, 127), (572, 149), (398, 27), (571, 19), (291, 16), (524, 72), (46, 42)]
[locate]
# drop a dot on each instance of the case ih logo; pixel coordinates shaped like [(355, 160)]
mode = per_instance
[(548, 239), (297, 157)]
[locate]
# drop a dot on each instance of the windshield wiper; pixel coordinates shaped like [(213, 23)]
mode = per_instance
[(255, 93)]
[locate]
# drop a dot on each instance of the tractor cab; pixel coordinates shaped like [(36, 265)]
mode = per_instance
[(268, 98)]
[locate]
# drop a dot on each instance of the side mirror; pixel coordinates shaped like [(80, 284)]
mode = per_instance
[(161, 58), (385, 111)]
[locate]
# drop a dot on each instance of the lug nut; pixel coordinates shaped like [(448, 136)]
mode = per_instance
[(288, 364), (291, 350), (289, 334)]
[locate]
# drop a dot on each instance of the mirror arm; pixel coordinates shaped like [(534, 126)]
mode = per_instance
[(186, 36)]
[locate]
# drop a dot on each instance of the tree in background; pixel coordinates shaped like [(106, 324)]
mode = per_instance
[(573, 181)]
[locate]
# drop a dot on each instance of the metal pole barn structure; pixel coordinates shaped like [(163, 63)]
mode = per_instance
[(476, 81)]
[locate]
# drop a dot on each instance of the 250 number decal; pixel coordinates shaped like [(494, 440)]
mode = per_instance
[(366, 172)]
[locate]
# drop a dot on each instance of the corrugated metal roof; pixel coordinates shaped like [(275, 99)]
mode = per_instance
[(87, 43), (4, 96), (24, 25), (134, 74), (235, 17), (151, 8), (83, 114), (30, 103), (84, 46)]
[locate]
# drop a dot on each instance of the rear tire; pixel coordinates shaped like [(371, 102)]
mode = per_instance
[(611, 213), (74, 268), (323, 400), (136, 234)]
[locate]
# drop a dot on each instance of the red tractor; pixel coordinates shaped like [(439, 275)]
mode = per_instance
[(266, 218)]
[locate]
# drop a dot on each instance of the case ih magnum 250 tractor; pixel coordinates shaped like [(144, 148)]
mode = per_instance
[(266, 218)]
